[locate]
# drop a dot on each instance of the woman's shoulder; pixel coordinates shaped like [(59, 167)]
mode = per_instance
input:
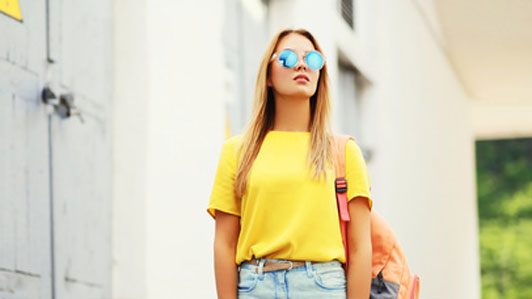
[(351, 143)]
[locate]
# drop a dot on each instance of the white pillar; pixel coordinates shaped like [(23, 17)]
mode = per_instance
[(185, 130), (130, 130), (170, 124)]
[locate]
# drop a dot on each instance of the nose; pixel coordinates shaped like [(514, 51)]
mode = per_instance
[(301, 64)]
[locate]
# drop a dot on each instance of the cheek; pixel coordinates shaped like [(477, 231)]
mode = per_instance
[(279, 76), (315, 78)]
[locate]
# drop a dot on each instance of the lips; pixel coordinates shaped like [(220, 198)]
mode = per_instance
[(302, 76)]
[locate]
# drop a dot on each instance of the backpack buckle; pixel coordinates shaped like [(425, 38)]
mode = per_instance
[(341, 185)]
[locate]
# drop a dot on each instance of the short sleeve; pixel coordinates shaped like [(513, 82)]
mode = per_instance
[(356, 173), (223, 195)]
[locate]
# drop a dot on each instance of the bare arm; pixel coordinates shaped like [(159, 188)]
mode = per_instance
[(225, 240), (359, 239)]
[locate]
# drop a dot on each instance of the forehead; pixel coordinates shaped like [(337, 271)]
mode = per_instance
[(296, 42)]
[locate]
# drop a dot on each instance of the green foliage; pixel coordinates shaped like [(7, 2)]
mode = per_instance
[(504, 183)]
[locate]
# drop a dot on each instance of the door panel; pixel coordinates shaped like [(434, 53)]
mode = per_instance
[(25, 254), (52, 166), (80, 43)]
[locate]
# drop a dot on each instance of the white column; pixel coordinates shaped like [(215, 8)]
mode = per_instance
[(186, 127), (169, 127), (130, 130)]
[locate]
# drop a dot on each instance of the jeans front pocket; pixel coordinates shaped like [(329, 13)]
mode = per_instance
[(331, 278), (247, 280)]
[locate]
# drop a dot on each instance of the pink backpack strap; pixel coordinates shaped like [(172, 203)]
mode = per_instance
[(340, 142)]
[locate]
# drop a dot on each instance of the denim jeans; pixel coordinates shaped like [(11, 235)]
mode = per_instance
[(319, 280)]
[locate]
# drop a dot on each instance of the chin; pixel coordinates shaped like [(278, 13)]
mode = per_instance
[(302, 94), (297, 92)]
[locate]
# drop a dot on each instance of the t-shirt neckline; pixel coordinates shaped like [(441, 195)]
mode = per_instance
[(277, 131)]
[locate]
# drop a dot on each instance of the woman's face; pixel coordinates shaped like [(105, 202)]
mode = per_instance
[(283, 80)]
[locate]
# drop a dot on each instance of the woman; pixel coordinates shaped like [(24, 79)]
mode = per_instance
[(277, 230)]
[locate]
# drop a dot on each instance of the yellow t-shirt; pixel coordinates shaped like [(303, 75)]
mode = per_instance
[(284, 214)]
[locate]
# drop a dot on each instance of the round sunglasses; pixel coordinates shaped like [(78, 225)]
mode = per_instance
[(288, 58)]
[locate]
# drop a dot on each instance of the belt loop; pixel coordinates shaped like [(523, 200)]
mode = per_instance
[(261, 265), (308, 265)]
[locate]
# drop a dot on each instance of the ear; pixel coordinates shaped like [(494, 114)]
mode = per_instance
[(269, 83)]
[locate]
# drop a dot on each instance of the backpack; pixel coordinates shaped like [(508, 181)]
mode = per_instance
[(391, 276)]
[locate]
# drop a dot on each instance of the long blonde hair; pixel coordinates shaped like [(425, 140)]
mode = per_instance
[(262, 120)]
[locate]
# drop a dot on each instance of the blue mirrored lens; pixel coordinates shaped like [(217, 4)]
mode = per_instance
[(288, 58), (314, 60)]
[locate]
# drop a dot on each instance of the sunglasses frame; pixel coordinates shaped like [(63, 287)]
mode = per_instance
[(277, 55)]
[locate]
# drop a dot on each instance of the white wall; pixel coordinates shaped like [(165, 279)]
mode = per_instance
[(170, 117), (423, 177), (130, 132), (185, 130)]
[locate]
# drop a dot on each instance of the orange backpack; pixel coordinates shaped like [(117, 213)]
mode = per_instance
[(391, 276)]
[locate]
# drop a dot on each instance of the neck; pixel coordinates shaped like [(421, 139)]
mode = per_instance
[(291, 113)]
